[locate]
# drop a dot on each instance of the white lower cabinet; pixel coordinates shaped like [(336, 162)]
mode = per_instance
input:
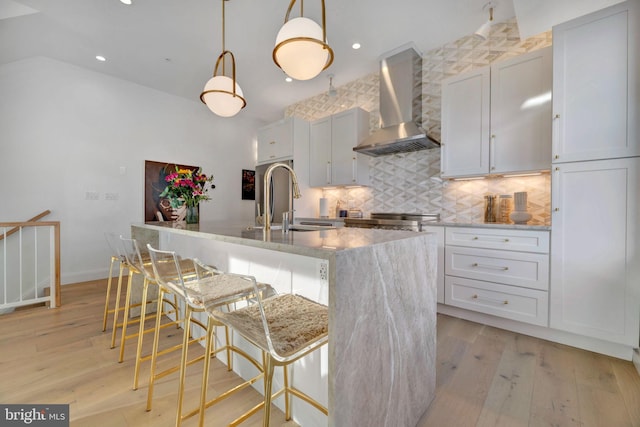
[(511, 268), (502, 272), (595, 268), (511, 302)]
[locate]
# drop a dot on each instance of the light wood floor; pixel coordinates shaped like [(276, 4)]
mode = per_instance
[(485, 376), (491, 377)]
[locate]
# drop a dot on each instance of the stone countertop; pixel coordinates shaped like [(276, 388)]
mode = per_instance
[(317, 243), (535, 227)]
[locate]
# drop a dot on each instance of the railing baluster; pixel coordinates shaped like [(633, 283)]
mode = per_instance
[(22, 244), (4, 265), (20, 262)]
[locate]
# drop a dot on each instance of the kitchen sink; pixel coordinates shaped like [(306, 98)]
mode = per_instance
[(300, 227), (296, 227)]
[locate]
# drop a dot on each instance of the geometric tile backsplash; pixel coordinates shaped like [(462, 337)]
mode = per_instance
[(409, 182)]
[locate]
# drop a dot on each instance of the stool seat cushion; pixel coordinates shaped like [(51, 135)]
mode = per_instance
[(294, 323), (217, 290), (167, 270)]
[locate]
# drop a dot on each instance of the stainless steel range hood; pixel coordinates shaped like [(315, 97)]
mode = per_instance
[(400, 107)]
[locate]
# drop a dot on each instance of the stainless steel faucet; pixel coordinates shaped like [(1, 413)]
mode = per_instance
[(267, 190)]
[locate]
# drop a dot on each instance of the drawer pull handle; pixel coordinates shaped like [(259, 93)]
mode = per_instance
[(491, 240), (503, 302), (272, 142), (495, 267)]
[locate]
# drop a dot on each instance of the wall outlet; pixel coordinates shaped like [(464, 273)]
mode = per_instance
[(91, 195), (323, 271), (111, 196)]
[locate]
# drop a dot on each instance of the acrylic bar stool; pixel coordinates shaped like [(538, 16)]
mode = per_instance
[(208, 287), (117, 255), (141, 264), (113, 240), (286, 327)]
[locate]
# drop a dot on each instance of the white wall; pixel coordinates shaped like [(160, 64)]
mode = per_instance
[(66, 131)]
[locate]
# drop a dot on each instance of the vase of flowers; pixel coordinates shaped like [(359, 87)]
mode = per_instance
[(187, 188)]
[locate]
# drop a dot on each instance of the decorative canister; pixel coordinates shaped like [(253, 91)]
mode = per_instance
[(490, 208), (505, 204)]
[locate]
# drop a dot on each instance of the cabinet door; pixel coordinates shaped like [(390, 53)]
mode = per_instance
[(595, 240), (344, 136), (595, 85), (275, 142), (521, 113), (465, 124), (320, 153)]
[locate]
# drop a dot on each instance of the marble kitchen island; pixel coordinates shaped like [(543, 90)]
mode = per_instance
[(379, 367)]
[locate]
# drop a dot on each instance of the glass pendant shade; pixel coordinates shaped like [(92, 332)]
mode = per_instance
[(218, 95), (222, 94), (301, 49)]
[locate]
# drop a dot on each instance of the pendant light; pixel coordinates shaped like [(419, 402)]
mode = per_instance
[(222, 94), (483, 31), (301, 49)]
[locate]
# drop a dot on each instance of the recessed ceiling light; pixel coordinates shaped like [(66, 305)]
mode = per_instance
[(356, 46), (288, 80), (127, 2), (101, 58)]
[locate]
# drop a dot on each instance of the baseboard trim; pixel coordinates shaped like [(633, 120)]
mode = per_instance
[(636, 359), (84, 276)]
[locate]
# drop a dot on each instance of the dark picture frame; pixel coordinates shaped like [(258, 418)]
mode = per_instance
[(154, 183), (248, 184)]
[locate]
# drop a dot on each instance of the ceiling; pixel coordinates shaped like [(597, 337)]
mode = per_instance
[(172, 45)]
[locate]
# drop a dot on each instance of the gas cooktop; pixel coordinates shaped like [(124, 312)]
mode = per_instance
[(393, 221)]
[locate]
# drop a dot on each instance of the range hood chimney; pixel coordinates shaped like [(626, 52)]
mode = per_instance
[(400, 107)]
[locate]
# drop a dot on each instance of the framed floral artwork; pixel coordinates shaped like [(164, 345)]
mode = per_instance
[(248, 184), (155, 207)]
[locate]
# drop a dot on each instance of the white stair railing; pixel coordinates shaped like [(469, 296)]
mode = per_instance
[(29, 263)]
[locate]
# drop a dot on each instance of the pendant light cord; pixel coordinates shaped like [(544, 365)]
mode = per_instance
[(224, 70)]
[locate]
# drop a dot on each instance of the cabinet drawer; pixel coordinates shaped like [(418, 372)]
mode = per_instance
[(511, 268), (524, 305), (513, 240)]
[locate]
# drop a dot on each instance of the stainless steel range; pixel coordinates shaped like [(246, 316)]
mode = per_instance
[(393, 221)]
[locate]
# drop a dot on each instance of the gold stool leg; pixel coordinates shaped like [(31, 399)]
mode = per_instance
[(106, 302), (143, 310), (116, 310), (268, 384), (175, 301), (126, 317), (205, 370), (287, 395), (154, 351), (183, 360)]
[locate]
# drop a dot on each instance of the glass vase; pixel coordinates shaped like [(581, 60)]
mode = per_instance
[(192, 216)]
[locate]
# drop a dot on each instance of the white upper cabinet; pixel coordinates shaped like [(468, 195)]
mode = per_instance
[(521, 112), (496, 119), (595, 85), (275, 141), (332, 159), (465, 124), (320, 152)]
